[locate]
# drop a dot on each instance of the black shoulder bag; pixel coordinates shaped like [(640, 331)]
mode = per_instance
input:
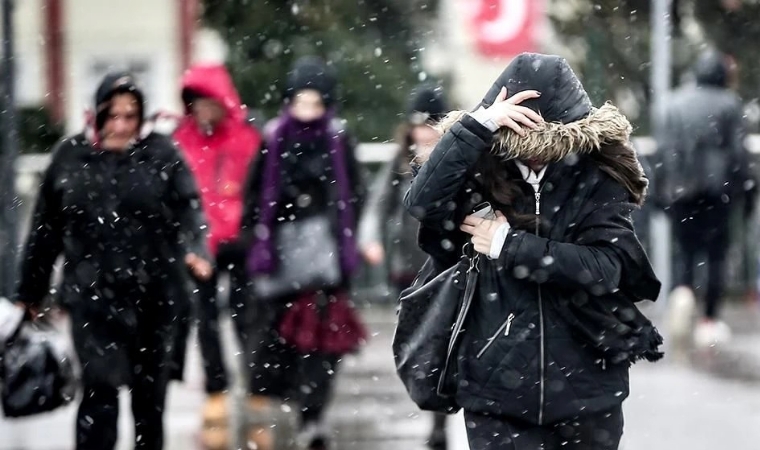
[(430, 319)]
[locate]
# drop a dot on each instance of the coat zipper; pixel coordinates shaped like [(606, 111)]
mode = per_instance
[(505, 327), (542, 380)]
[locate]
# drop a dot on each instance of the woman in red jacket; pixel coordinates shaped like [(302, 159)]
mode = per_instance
[(219, 145)]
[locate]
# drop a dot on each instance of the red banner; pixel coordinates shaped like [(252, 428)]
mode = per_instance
[(505, 28)]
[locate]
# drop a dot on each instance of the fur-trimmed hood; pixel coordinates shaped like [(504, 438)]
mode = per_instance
[(553, 141), (604, 135), (572, 126)]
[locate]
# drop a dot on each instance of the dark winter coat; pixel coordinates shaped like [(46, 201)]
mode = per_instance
[(387, 222), (307, 183), (123, 222), (701, 153), (554, 327)]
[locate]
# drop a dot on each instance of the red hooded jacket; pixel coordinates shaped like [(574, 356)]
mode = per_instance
[(220, 159)]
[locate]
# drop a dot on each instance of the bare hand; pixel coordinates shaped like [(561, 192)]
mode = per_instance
[(199, 267), (482, 230), (373, 253), (506, 112), (33, 312)]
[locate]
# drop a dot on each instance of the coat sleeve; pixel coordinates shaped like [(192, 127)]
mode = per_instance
[(432, 197), (371, 224), (744, 180), (356, 175), (45, 239), (251, 197), (604, 256), (185, 206)]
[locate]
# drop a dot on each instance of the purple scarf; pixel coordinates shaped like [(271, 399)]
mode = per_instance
[(261, 257)]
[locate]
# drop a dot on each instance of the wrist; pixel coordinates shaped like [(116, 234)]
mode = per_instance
[(485, 118), (498, 239)]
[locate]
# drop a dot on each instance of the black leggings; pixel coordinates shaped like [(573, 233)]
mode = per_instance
[(600, 431), (209, 334), (701, 230), (279, 371), (97, 418)]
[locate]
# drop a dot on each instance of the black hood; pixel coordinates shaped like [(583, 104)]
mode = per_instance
[(112, 84), (311, 72), (563, 98), (711, 70), (426, 103)]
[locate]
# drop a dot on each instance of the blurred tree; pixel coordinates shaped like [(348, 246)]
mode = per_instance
[(615, 36), (374, 45), (36, 130)]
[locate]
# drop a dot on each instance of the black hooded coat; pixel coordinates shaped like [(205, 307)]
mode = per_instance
[(554, 328), (124, 222)]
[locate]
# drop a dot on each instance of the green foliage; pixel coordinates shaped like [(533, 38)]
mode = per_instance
[(373, 45), (615, 34), (36, 130)]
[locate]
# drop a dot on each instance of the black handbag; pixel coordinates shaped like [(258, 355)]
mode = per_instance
[(308, 258), (431, 315), (38, 373)]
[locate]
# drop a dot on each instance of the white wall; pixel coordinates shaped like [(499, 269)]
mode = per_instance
[(104, 35), (30, 52)]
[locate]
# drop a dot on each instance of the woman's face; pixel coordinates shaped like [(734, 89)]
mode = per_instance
[(424, 137), (123, 122), (207, 112), (307, 106)]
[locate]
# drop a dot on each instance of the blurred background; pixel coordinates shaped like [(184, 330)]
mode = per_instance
[(632, 52)]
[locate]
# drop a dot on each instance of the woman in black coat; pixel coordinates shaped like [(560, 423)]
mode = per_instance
[(307, 173), (121, 206), (547, 347)]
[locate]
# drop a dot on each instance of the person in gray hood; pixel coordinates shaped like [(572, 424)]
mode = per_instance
[(544, 359), (704, 173)]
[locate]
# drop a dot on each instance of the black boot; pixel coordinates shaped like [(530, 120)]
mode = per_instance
[(437, 440)]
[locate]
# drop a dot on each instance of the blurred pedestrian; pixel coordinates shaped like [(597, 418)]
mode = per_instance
[(120, 204), (387, 233), (545, 353), (704, 174), (304, 195), (219, 145)]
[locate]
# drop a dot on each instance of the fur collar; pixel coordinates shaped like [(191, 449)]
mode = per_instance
[(604, 135), (552, 142)]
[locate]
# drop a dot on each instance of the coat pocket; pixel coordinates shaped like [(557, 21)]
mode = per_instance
[(504, 329)]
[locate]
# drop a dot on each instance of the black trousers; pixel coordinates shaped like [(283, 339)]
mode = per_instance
[(232, 261), (701, 232), (594, 432), (279, 371), (147, 355)]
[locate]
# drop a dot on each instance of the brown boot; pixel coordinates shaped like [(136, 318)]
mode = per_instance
[(260, 435), (215, 432)]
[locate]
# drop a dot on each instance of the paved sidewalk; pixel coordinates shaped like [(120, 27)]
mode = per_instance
[(672, 406)]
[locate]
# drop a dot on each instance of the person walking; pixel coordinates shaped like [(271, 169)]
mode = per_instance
[(543, 362), (219, 145), (387, 233), (704, 174), (119, 202), (303, 199)]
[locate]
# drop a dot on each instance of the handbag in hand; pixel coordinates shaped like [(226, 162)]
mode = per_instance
[(431, 314), (323, 324), (38, 371), (308, 259)]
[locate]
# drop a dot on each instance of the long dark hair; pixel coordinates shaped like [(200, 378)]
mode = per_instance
[(405, 155), (616, 159)]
